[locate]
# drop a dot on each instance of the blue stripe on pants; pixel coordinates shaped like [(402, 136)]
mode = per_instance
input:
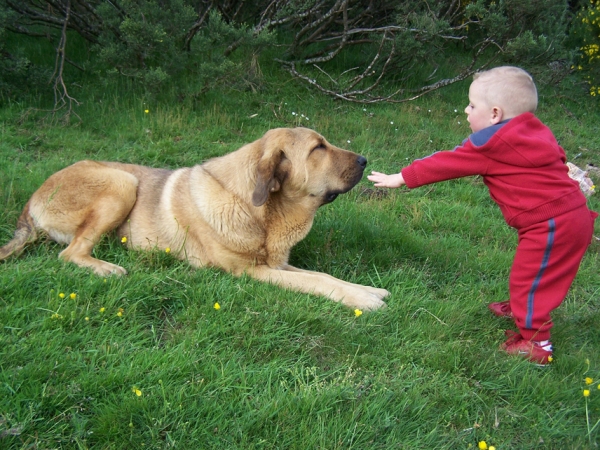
[(536, 282)]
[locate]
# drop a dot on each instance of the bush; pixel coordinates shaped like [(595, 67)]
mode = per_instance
[(152, 42), (586, 32), (362, 51), (18, 74)]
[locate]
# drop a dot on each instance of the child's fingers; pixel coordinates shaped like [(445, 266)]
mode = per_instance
[(376, 176), (377, 182)]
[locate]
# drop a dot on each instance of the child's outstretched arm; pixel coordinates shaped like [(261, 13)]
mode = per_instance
[(389, 181)]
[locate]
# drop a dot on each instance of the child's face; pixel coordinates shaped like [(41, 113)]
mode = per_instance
[(479, 113)]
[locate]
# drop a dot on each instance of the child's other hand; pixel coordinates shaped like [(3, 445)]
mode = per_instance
[(389, 181)]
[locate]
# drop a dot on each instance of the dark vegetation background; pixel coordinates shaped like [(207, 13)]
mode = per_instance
[(361, 51)]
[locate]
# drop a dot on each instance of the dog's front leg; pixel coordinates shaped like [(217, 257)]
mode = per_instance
[(317, 283), (378, 292)]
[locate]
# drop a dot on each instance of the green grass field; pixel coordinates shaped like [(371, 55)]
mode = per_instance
[(146, 361)]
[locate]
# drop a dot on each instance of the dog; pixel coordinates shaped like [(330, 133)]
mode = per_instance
[(242, 212)]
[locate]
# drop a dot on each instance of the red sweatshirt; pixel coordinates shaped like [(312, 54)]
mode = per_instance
[(521, 163)]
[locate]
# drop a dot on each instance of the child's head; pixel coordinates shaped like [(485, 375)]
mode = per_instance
[(499, 94)]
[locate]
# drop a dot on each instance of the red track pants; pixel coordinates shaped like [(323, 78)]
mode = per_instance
[(546, 262)]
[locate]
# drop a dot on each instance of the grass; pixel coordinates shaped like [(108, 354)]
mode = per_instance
[(273, 369)]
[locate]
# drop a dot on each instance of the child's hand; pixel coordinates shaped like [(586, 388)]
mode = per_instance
[(389, 181)]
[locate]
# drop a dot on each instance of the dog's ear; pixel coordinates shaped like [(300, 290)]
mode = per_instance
[(266, 176)]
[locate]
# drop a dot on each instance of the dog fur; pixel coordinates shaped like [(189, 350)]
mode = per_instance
[(242, 212)]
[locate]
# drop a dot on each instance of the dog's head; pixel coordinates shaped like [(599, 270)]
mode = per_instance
[(298, 162)]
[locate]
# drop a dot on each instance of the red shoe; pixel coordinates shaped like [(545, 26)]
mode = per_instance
[(530, 350), (501, 309)]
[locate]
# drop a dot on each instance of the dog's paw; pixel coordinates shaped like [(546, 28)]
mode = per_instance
[(377, 292), (364, 302), (105, 269)]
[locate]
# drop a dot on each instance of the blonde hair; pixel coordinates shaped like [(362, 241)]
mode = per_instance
[(510, 88)]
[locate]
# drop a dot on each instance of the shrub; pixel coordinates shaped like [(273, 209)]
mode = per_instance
[(359, 50), (587, 35)]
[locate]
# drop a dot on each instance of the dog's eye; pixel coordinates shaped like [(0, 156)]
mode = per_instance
[(318, 147)]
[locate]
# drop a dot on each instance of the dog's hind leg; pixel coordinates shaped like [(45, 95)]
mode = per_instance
[(79, 251), (79, 204), (103, 216)]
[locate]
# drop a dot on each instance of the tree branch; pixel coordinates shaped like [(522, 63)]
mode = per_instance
[(62, 98)]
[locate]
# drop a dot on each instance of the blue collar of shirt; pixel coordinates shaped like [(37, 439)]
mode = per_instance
[(481, 137)]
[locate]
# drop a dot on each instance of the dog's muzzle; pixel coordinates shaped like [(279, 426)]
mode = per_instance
[(361, 161)]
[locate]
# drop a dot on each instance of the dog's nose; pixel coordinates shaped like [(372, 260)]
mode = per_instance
[(362, 161)]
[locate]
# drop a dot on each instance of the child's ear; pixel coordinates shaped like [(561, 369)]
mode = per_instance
[(496, 116)]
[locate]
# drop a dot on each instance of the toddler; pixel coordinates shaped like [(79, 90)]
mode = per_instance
[(524, 169)]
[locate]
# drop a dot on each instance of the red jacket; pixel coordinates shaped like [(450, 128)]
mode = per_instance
[(521, 163)]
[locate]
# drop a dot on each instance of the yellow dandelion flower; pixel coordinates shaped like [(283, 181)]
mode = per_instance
[(550, 359), (136, 391), (73, 296), (357, 312), (102, 309), (87, 319), (168, 250), (124, 239), (589, 380), (217, 306), (482, 445), (61, 295), (120, 312), (146, 111), (586, 392), (492, 447)]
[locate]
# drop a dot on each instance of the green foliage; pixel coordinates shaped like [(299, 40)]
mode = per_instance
[(586, 35), (149, 42), (153, 43), (366, 51), (18, 74), (212, 46), (529, 32), (402, 49)]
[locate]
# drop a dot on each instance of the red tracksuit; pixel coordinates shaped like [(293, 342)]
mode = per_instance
[(524, 169)]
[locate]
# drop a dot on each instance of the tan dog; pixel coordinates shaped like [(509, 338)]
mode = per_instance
[(242, 212)]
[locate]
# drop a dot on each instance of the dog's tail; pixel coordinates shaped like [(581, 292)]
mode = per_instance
[(24, 234)]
